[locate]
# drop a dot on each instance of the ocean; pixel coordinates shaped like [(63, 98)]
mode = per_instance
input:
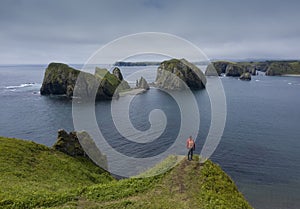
[(259, 148)]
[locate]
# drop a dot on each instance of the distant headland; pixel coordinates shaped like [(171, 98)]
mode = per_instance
[(269, 67)]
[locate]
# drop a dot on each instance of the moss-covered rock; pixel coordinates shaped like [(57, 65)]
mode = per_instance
[(69, 144), (234, 70), (79, 144), (171, 73), (60, 79)]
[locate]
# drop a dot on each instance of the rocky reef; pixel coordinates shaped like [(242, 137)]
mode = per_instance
[(171, 73), (60, 79)]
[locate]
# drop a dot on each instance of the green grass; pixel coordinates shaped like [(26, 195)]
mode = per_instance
[(33, 173), (35, 176)]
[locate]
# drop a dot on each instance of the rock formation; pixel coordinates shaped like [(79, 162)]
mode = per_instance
[(172, 74), (60, 79), (212, 71), (79, 144), (142, 84), (68, 144), (124, 84), (246, 76), (218, 66), (234, 70), (117, 72)]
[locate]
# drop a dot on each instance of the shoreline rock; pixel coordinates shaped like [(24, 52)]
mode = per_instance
[(79, 144)]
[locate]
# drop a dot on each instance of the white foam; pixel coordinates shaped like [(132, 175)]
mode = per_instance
[(20, 86)]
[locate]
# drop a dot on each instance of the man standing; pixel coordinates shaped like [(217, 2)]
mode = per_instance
[(190, 145)]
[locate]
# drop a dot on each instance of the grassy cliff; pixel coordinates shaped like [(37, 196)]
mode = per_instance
[(35, 176)]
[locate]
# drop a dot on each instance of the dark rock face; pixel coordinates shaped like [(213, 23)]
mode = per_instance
[(117, 72), (60, 79), (72, 144), (171, 73), (68, 144), (212, 71), (253, 71), (246, 76), (142, 84), (124, 84), (219, 67)]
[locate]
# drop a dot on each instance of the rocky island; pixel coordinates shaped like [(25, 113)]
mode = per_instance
[(60, 79), (171, 73), (174, 74)]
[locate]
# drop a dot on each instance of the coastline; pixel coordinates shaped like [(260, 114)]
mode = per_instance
[(68, 181)]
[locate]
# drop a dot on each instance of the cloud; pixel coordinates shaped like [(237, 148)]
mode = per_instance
[(34, 31)]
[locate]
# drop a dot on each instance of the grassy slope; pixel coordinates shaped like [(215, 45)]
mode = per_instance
[(33, 175)]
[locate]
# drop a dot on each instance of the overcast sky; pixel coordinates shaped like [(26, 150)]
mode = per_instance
[(42, 31)]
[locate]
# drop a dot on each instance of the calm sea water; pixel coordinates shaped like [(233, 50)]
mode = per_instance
[(259, 148)]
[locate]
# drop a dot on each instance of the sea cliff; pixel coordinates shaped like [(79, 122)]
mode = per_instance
[(236, 69), (36, 176)]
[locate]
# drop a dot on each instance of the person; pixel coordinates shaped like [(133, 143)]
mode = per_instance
[(190, 145)]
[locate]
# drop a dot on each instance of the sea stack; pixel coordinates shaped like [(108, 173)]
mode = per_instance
[(180, 74), (60, 79)]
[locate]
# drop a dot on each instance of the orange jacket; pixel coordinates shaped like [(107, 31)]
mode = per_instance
[(190, 143)]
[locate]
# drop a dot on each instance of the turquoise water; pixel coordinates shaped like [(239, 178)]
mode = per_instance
[(259, 148)]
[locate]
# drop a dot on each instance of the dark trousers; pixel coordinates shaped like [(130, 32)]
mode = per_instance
[(190, 154)]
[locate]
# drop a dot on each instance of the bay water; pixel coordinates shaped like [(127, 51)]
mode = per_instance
[(259, 149)]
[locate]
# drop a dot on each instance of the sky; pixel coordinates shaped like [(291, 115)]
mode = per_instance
[(70, 31)]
